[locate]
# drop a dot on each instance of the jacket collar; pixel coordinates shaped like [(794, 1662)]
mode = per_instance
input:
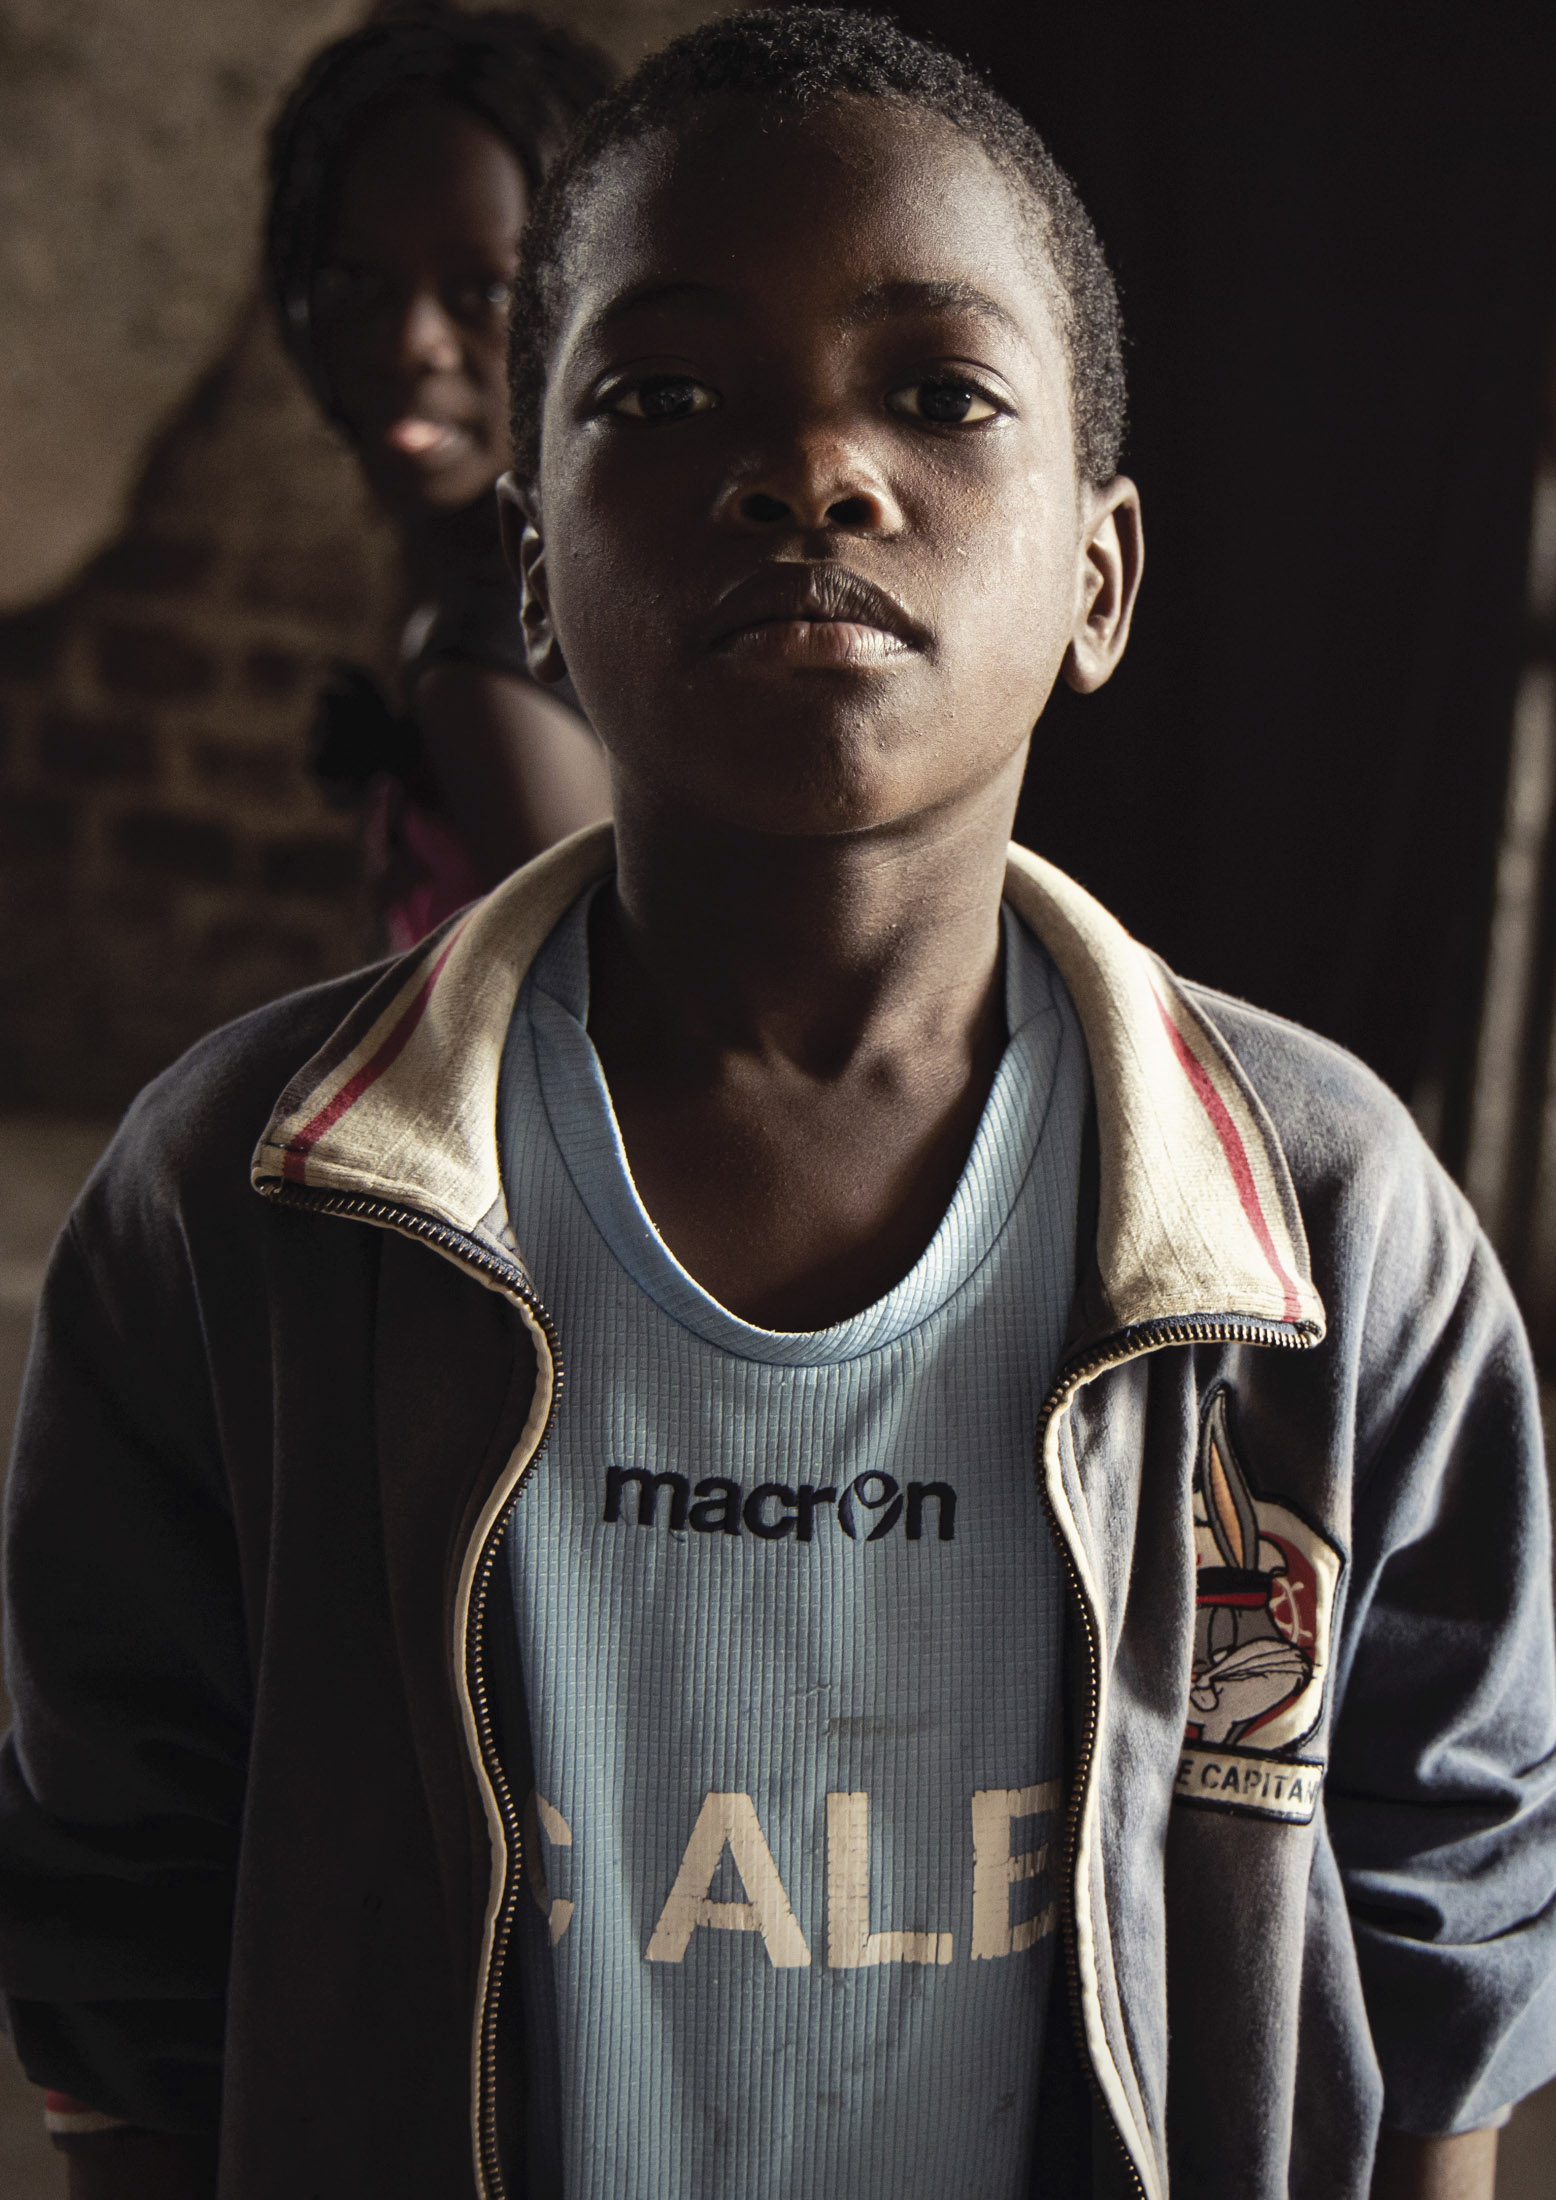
[(1198, 1215)]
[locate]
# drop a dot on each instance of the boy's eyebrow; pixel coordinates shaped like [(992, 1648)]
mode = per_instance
[(648, 295), (878, 303), (882, 300)]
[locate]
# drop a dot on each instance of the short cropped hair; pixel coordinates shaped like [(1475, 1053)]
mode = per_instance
[(792, 60), (528, 81)]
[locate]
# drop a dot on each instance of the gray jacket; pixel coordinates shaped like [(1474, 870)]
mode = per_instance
[(258, 1854)]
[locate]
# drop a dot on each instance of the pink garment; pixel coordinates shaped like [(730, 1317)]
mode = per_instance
[(421, 869)]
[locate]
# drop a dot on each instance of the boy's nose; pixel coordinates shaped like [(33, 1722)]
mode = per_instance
[(815, 489)]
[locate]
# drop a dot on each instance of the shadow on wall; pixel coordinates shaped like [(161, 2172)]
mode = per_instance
[(128, 138), (130, 135), (165, 860)]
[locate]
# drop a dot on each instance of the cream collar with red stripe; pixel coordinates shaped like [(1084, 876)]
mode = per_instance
[(1198, 1214)]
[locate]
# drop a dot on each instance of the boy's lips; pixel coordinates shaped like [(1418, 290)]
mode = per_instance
[(813, 614), (814, 642)]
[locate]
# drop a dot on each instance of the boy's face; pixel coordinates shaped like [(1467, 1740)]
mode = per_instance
[(808, 535)]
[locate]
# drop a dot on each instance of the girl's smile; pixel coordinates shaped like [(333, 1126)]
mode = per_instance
[(411, 303)]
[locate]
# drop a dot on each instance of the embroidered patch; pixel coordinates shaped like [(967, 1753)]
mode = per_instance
[(1265, 1585), (1238, 1779)]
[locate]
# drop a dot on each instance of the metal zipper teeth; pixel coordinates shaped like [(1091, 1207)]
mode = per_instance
[(1128, 1344), (360, 1208), (487, 2136)]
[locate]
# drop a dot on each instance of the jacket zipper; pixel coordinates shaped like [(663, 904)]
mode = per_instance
[(361, 1208), (1127, 1344)]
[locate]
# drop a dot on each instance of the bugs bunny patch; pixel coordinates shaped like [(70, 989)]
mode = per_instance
[(1265, 1582)]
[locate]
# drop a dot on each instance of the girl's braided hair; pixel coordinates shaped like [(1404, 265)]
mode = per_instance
[(528, 81)]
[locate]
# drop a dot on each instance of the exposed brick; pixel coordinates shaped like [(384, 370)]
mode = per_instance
[(274, 674), (127, 911), (265, 771), (244, 962), (154, 662), (35, 828), (323, 581), (267, 957), (76, 747), (34, 907), (31, 641), (251, 549), (153, 562), (180, 847), (311, 863)]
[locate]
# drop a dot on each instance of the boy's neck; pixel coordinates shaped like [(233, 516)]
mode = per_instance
[(799, 1037), (818, 949)]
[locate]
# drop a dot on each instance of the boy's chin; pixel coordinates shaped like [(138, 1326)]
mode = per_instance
[(807, 766), (836, 798)]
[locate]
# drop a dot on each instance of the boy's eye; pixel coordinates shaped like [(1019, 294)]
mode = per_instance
[(663, 397), (944, 399)]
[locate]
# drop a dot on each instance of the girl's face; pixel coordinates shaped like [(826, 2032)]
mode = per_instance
[(410, 303)]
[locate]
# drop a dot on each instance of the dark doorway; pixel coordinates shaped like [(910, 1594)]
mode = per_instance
[(1338, 258)]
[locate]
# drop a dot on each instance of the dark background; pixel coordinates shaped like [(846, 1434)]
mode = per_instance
[(1336, 243), (1335, 237)]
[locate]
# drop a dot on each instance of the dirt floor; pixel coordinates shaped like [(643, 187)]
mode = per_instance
[(41, 1165)]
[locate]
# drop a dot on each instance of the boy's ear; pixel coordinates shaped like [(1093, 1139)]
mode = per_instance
[(1112, 557), (518, 515)]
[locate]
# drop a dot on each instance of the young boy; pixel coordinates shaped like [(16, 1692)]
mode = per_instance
[(734, 1770)]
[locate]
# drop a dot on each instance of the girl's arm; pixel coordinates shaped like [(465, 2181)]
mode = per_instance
[(517, 770)]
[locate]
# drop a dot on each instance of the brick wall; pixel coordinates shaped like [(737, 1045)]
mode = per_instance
[(165, 862)]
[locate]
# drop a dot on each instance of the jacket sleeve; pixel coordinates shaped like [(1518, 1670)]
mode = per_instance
[(121, 1782), (1441, 1798)]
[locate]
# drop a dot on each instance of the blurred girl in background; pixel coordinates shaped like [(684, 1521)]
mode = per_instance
[(402, 169)]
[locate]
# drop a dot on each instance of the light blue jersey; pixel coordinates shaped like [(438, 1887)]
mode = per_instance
[(788, 1618)]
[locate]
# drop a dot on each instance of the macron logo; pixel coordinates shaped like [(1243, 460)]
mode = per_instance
[(866, 1509)]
